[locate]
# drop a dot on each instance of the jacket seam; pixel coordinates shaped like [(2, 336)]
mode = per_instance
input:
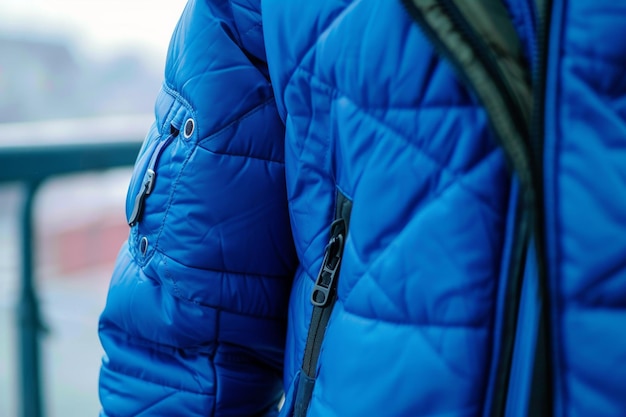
[(192, 151), (253, 27), (234, 155), (441, 168), (413, 323), (457, 175), (238, 41), (241, 35), (125, 372), (418, 106), (240, 118), (225, 271), (177, 293), (249, 113), (221, 309), (366, 111), (143, 342), (308, 49), (417, 211), (178, 97)]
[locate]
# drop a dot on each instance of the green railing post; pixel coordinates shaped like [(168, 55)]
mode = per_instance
[(29, 320), (30, 154)]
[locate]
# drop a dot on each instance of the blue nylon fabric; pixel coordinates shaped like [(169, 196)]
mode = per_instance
[(585, 172), (212, 319), (501, 300), (520, 382), (198, 318), (387, 124)]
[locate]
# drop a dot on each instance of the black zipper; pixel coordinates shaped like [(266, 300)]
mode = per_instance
[(323, 298), (324, 292), (541, 401), (539, 87)]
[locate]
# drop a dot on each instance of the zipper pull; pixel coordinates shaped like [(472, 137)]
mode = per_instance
[(149, 178), (146, 189), (325, 282)]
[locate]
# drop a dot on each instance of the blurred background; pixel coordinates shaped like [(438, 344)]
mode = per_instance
[(88, 72)]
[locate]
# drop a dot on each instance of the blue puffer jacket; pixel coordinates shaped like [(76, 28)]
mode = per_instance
[(266, 120)]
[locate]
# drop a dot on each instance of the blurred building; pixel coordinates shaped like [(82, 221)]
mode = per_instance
[(49, 92), (48, 79), (33, 76)]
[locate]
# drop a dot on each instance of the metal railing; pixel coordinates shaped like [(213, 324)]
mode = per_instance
[(30, 154)]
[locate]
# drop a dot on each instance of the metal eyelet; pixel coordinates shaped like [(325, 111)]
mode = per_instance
[(143, 245), (189, 128)]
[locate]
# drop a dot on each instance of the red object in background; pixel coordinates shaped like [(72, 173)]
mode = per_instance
[(87, 246)]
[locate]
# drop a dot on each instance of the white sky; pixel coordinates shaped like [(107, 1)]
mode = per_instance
[(101, 25)]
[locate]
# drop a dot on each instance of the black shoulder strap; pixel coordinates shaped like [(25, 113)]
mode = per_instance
[(480, 42)]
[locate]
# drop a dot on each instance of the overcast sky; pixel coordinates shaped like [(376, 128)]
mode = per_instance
[(101, 25)]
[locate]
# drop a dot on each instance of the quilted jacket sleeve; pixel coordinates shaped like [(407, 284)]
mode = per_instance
[(194, 323)]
